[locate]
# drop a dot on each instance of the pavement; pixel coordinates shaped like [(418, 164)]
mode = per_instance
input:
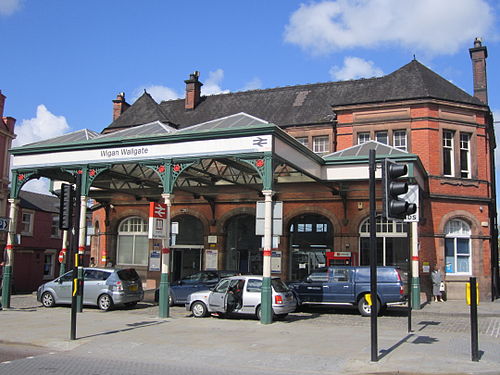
[(315, 341)]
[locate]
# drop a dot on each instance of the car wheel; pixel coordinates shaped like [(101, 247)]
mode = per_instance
[(48, 299), (258, 313), (105, 302), (365, 309), (199, 309), (170, 300)]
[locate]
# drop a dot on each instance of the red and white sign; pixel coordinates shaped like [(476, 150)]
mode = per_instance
[(62, 253), (157, 220)]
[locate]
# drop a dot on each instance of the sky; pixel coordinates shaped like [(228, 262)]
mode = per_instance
[(65, 61)]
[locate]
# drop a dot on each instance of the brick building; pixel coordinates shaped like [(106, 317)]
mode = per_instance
[(211, 158)]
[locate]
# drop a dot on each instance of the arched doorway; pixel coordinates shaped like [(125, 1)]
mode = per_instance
[(242, 245), (311, 236), (392, 243), (187, 245)]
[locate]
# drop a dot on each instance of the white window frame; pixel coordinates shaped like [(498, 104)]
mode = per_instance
[(465, 171), (363, 137), (304, 141), (27, 223), (55, 227), (455, 230), (448, 139), (132, 226), (399, 140), (51, 255), (321, 144)]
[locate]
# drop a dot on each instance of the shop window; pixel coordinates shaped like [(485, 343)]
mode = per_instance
[(133, 244), (457, 248), (320, 144), (392, 243)]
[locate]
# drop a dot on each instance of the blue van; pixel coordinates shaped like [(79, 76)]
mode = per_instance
[(348, 285)]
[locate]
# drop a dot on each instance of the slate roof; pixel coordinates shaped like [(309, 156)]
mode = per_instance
[(301, 104), (362, 152), (78, 136), (38, 202)]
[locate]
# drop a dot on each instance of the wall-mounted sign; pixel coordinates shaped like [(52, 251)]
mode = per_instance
[(276, 262), (4, 224), (154, 260), (211, 258), (277, 218)]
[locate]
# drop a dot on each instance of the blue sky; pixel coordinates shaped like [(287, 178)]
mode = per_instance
[(63, 62)]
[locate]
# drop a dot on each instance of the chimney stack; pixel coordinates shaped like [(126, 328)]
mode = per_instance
[(119, 105), (478, 55), (193, 91), (2, 103), (8, 121)]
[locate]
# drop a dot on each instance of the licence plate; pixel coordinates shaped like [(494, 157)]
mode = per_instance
[(133, 288)]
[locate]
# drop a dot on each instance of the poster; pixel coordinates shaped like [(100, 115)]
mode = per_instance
[(154, 261), (276, 262), (211, 257)]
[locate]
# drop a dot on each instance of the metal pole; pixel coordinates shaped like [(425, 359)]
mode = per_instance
[(473, 320), (409, 281), (414, 282), (64, 249), (373, 259), (76, 241), (9, 247), (164, 307), (266, 292)]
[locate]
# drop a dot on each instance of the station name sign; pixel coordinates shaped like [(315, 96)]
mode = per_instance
[(195, 148)]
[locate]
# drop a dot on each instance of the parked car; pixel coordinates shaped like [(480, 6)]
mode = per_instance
[(217, 299), (103, 287), (348, 285), (179, 290)]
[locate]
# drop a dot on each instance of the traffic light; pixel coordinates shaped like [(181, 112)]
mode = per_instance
[(66, 207), (393, 207)]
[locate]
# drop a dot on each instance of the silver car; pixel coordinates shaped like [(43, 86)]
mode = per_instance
[(103, 287), (218, 299)]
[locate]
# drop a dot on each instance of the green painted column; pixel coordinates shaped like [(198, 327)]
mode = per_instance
[(82, 235), (164, 307), (266, 293), (9, 247), (64, 249)]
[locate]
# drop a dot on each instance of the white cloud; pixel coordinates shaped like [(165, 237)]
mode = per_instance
[(158, 92), (8, 7), (355, 67), (212, 85), (428, 26), (41, 185), (45, 125), (253, 84)]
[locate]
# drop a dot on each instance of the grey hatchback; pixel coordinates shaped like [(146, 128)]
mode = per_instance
[(103, 287)]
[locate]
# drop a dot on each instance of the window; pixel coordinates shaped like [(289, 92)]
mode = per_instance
[(363, 138), (382, 137), (320, 144), (448, 165), (399, 139), (48, 264), (133, 242), (392, 243), (465, 155), (303, 140), (54, 229), (27, 223), (457, 248)]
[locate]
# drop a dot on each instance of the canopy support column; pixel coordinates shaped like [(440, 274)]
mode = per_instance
[(9, 247), (164, 306)]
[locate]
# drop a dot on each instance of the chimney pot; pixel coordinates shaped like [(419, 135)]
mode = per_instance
[(119, 105), (478, 55), (193, 91)]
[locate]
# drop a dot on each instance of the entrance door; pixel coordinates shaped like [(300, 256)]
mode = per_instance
[(242, 245), (304, 261), (185, 262)]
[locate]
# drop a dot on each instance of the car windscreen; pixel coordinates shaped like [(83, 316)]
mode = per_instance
[(279, 286), (129, 274)]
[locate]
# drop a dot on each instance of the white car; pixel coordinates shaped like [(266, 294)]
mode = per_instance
[(218, 299)]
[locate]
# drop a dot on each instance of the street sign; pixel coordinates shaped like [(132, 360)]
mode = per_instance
[(61, 256), (277, 229), (4, 224), (157, 220), (412, 197)]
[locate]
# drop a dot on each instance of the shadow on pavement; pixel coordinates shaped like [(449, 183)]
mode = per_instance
[(133, 326)]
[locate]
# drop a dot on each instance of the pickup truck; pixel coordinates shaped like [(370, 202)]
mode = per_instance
[(348, 285)]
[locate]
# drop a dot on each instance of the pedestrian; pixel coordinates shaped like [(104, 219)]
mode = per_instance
[(92, 262), (437, 281)]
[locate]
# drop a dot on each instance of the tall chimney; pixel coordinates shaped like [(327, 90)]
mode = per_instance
[(478, 55), (2, 103), (8, 121), (193, 91), (119, 105)]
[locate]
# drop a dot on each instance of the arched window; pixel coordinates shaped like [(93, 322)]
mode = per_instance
[(392, 243), (132, 248), (457, 247)]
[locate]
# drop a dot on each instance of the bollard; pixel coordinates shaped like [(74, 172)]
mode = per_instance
[(472, 297)]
